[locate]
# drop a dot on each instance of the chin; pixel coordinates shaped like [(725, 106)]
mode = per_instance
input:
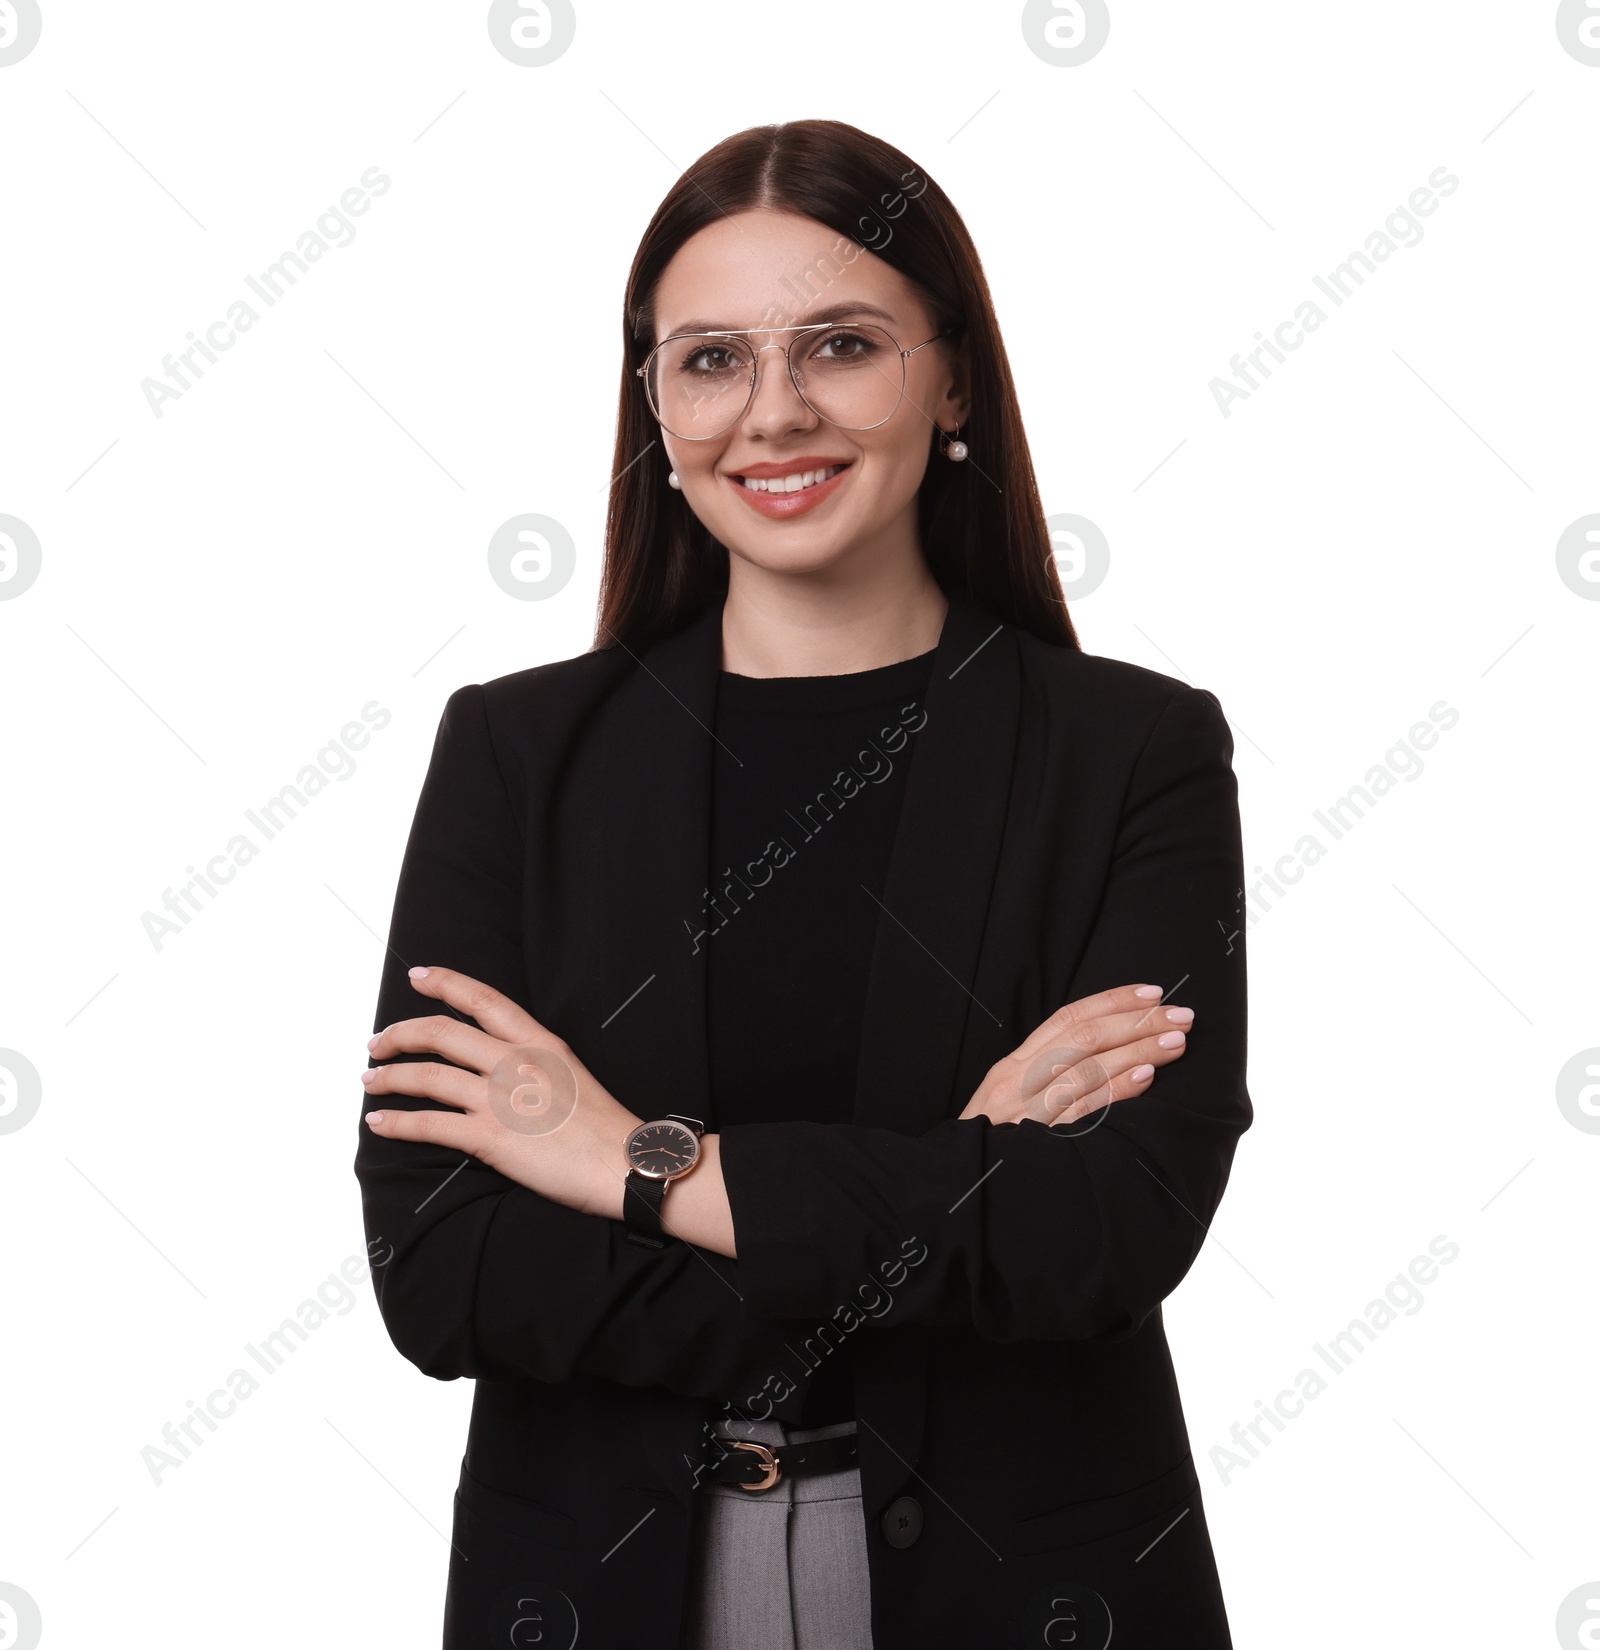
[(789, 554)]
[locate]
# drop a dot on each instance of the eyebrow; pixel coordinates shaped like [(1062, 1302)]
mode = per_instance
[(833, 312)]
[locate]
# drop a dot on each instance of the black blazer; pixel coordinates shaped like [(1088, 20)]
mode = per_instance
[(1070, 823)]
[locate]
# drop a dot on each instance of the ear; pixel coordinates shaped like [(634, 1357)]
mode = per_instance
[(956, 404)]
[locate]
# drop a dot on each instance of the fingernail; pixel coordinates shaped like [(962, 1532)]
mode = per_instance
[(1140, 1073), (372, 1041), (1170, 1039), (374, 1116), (416, 973), (1180, 1016), (369, 1074), (1147, 991)]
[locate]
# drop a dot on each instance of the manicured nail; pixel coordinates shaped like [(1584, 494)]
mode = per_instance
[(1170, 1039), (374, 1116), (1147, 991), (369, 1074), (1140, 1074), (1180, 1016), (416, 973), (372, 1041)]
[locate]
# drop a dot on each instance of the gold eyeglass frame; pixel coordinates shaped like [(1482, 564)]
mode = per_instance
[(748, 333)]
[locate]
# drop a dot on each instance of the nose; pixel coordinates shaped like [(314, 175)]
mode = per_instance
[(775, 407)]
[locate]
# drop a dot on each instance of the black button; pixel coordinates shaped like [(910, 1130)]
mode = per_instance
[(902, 1524)]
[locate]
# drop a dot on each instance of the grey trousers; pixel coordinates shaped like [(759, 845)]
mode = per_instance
[(780, 1569)]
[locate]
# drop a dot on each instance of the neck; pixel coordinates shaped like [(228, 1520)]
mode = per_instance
[(829, 623)]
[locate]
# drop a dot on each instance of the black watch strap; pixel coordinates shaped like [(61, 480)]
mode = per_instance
[(641, 1209)]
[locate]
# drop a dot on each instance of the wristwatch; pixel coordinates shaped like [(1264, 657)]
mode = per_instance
[(658, 1153)]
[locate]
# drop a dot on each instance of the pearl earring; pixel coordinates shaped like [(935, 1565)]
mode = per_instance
[(954, 450), (673, 482)]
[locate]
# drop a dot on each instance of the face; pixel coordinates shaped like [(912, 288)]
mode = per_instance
[(760, 271)]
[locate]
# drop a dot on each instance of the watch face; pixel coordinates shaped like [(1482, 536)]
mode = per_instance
[(661, 1150)]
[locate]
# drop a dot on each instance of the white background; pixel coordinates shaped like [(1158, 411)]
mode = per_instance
[(305, 531)]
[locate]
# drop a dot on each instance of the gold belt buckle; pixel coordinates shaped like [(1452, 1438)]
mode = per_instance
[(765, 1456)]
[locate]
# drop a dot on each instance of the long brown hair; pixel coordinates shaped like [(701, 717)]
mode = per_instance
[(982, 526)]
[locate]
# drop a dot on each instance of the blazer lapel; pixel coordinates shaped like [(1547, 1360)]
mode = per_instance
[(651, 829), (925, 955)]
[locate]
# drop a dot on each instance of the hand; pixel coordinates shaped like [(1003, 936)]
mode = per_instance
[(542, 1120), (1086, 1056)]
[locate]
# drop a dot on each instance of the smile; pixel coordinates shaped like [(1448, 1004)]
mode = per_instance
[(792, 493)]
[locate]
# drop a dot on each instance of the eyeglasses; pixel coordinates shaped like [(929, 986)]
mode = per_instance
[(699, 384)]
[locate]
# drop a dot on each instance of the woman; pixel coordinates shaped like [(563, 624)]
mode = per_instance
[(766, 1109)]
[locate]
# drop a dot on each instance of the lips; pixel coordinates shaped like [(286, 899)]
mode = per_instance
[(789, 489)]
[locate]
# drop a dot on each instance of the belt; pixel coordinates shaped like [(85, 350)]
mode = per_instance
[(759, 1466)]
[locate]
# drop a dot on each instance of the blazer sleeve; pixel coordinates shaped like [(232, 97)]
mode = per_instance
[(1032, 1232), (479, 1276)]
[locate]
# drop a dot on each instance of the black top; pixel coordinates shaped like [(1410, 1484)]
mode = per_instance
[(808, 777)]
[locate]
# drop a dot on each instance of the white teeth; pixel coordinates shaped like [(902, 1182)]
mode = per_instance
[(793, 483)]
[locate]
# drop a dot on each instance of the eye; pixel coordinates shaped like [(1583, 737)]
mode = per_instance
[(708, 359), (844, 346)]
